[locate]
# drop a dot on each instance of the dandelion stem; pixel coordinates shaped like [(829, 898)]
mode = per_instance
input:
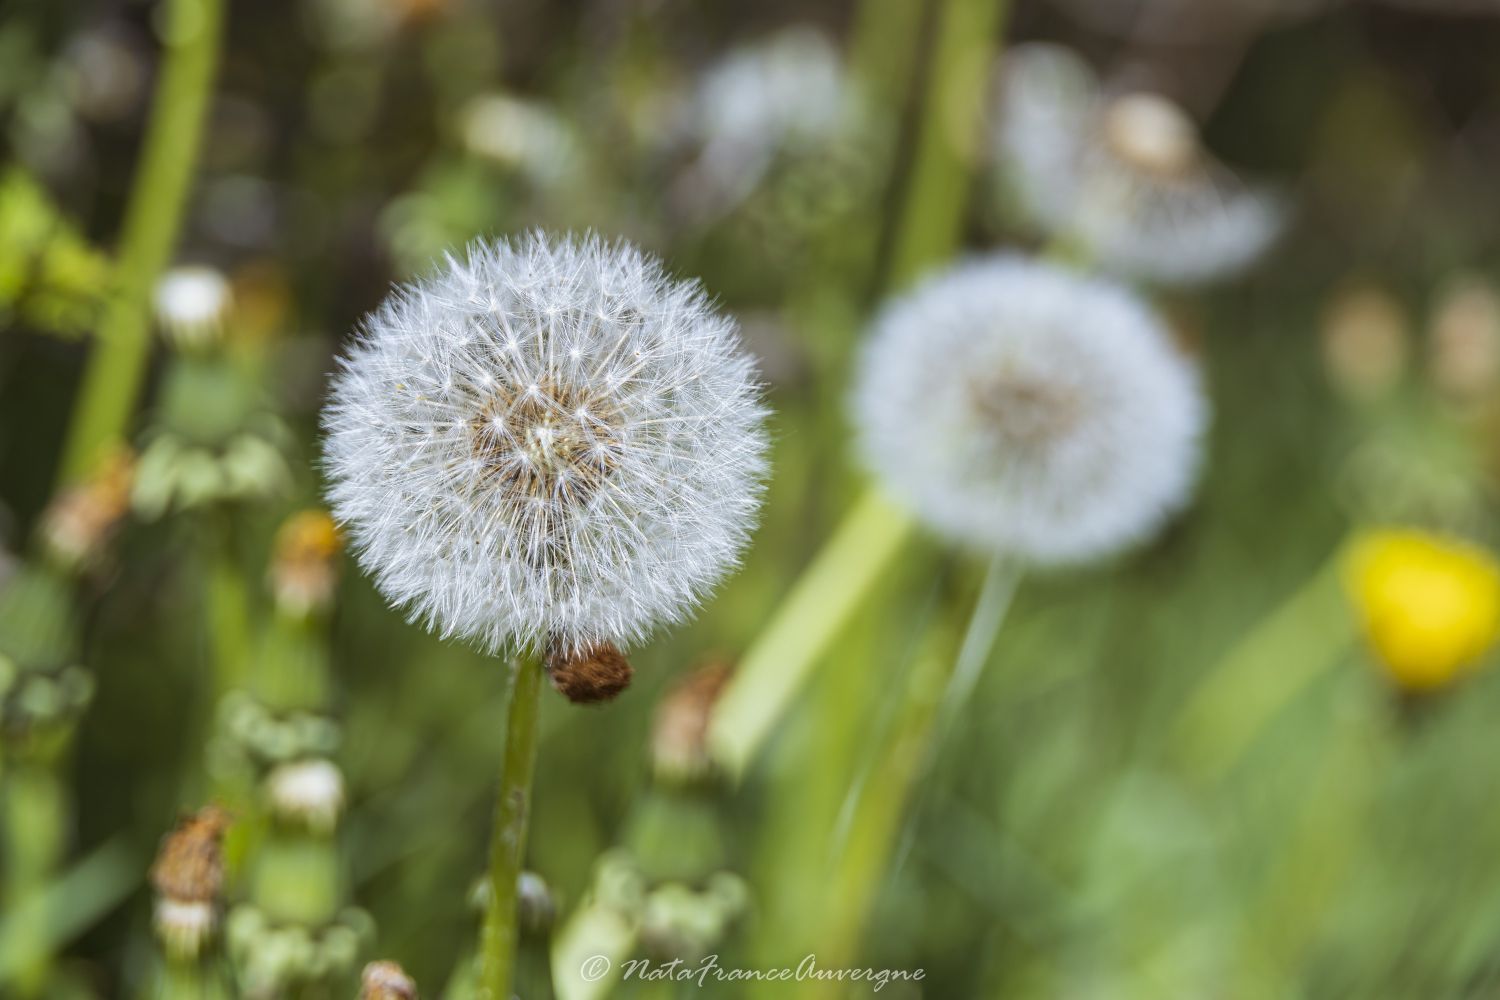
[(1000, 583), (497, 943), (947, 140), (803, 628), (939, 684), (152, 219)]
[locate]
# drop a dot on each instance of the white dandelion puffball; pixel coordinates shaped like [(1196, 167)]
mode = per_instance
[(788, 94), (1021, 408), (1124, 176), (549, 443)]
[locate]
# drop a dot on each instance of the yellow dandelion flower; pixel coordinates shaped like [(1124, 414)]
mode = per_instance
[(1430, 606)]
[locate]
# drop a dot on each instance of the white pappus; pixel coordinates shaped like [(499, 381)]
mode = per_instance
[(1021, 408), (551, 443), (1124, 176)]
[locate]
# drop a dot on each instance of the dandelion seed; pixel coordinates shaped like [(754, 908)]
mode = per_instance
[(1124, 176), (507, 489), (1018, 407)]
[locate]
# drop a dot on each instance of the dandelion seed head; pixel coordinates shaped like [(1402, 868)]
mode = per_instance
[(1125, 176), (1020, 408), (549, 442)]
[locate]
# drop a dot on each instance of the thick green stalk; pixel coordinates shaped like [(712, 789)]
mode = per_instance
[(497, 942), (804, 627), (1298, 642), (947, 136), (152, 220), (37, 809)]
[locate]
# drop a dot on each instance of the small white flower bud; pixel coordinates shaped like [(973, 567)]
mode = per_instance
[(184, 926), (309, 792), (191, 303)]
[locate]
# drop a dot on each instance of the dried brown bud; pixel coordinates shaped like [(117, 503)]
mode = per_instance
[(679, 735), (304, 568), (188, 876), (78, 524), (386, 981), (189, 865), (591, 674)]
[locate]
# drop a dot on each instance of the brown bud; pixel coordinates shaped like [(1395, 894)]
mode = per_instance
[(79, 523), (679, 735), (590, 674), (189, 865), (386, 981)]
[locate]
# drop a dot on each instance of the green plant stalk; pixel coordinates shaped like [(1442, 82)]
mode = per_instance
[(883, 55), (938, 686), (1325, 842), (36, 810), (947, 139), (498, 937), (153, 218), (803, 628), (1298, 642)]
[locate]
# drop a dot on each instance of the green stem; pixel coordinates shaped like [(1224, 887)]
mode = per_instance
[(947, 140), (1298, 642), (804, 627), (152, 220), (497, 942), (36, 818), (938, 686), (1000, 583)]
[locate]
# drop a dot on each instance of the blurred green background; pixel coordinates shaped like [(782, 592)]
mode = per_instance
[(1056, 847)]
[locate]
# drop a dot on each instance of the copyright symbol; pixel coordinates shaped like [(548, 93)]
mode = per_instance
[(594, 969)]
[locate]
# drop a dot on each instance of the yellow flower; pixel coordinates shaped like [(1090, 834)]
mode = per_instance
[(1430, 606)]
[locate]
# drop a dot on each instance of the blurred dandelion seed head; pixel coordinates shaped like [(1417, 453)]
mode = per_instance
[(1018, 407), (1429, 605), (788, 94), (191, 303), (1124, 176), (550, 442)]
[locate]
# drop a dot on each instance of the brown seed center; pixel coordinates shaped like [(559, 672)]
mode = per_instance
[(549, 441)]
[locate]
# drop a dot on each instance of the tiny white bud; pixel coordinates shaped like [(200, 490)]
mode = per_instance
[(310, 792), (191, 303)]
